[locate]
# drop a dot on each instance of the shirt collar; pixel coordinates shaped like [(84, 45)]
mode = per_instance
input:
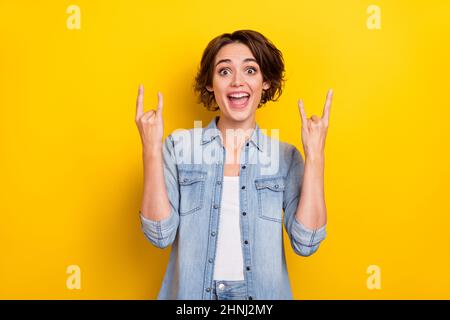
[(210, 132)]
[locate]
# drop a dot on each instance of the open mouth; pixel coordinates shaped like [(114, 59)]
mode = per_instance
[(239, 100)]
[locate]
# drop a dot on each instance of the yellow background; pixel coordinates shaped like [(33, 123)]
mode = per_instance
[(71, 166)]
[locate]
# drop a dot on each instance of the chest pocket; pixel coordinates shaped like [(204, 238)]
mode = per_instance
[(270, 197), (192, 187)]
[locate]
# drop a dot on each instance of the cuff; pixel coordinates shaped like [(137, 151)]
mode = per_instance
[(306, 236), (158, 229)]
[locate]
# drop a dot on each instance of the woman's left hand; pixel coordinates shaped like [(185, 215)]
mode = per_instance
[(314, 129)]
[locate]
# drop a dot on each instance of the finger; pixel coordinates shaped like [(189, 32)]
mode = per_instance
[(148, 115), (314, 118), (326, 108), (309, 125), (302, 112), (160, 104), (140, 102)]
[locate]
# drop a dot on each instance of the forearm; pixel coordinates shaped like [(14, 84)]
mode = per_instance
[(311, 210), (155, 201)]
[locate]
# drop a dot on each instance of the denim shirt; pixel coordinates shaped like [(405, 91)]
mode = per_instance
[(270, 182)]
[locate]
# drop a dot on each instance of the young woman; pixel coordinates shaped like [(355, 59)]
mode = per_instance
[(211, 193)]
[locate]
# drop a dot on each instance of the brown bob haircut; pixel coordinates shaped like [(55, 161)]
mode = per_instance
[(268, 57)]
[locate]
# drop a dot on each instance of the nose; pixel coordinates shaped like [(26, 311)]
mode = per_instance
[(237, 80)]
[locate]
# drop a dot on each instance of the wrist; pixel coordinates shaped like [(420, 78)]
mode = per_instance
[(317, 159), (152, 152)]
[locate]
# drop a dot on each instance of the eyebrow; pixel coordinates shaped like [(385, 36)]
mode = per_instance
[(229, 60)]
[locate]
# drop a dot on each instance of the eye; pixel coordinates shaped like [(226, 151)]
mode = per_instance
[(253, 69), (221, 73)]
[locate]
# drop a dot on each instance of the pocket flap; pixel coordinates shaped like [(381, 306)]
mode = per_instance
[(275, 184), (190, 177)]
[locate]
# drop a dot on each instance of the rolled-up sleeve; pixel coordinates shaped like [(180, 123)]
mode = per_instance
[(162, 233), (304, 241)]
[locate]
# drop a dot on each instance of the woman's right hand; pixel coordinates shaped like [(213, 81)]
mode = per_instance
[(155, 201), (150, 124)]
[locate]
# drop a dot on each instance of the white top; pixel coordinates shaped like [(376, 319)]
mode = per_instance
[(229, 263)]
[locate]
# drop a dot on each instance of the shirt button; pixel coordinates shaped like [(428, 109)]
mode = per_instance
[(250, 298), (244, 213), (210, 260), (276, 186), (216, 206), (213, 233), (247, 144), (221, 286), (246, 242), (248, 268), (208, 289), (243, 167), (219, 182), (243, 187)]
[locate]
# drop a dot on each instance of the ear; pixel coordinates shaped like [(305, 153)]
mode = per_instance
[(266, 85), (209, 88)]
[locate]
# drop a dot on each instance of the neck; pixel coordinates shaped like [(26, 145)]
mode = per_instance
[(236, 133)]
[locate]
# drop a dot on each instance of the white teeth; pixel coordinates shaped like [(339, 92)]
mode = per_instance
[(239, 95)]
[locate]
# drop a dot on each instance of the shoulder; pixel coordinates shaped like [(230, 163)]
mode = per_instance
[(291, 155), (184, 138)]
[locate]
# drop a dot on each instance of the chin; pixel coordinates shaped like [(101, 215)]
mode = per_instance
[(238, 117)]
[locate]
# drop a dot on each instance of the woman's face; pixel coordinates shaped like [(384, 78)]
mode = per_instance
[(237, 74)]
